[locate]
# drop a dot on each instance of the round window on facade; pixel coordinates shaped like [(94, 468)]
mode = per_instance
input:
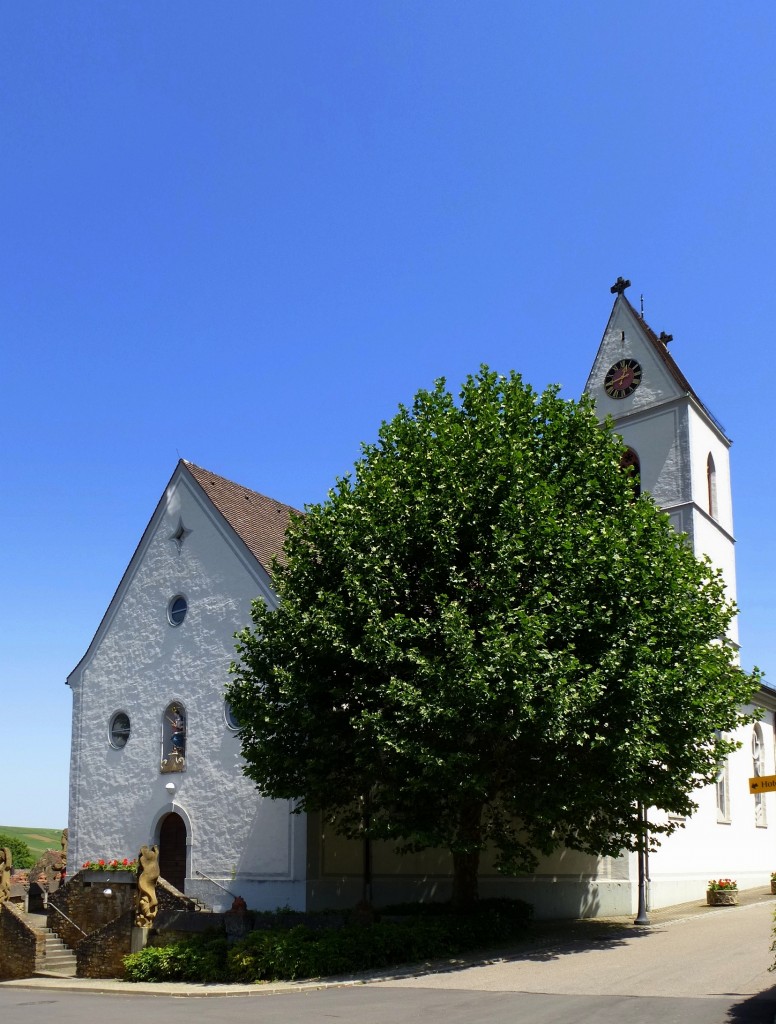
[(119, 729), (232, 721), (176, 610)]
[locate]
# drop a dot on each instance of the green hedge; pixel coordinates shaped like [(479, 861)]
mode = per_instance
[(275, 954), (197, 959)]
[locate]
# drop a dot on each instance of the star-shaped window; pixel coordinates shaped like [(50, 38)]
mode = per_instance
[(181, 533)]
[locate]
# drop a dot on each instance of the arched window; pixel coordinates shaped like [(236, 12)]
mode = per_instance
[(758, 768), (174, 738), (723, 791), (711, 484), (631, 464)]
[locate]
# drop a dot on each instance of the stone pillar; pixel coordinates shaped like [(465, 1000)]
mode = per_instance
[(139, 938)]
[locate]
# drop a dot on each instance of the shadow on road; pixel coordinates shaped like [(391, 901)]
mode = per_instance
[(545, 943), (759, 1009), (551, 941)]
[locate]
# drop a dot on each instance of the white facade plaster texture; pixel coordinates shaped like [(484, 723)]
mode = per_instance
[(140, 664)]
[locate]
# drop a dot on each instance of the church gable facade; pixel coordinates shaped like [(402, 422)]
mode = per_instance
[(155, 754)]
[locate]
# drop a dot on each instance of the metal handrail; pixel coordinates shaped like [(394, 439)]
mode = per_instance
[(203, 875), (70, 920)]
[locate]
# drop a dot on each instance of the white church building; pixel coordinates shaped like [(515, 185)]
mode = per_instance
[(155, 752)]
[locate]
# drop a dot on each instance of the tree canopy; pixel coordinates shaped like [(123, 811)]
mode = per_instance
[(20, 852), (485, 637)]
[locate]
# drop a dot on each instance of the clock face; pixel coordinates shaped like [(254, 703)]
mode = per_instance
[(622, 379)]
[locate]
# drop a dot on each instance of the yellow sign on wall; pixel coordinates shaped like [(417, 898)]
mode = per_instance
[(762, 784)]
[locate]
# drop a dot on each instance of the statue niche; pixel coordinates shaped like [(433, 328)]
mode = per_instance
[(174, 739)]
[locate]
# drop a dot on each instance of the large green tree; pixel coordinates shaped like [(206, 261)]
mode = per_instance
[(484, 637)]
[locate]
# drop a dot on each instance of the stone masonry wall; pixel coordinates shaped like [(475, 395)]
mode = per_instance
[(20, 946), (84, 901), (101, 954)]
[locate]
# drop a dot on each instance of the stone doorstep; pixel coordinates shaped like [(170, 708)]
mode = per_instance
[(59, 956), (58, 951), (58, 959)]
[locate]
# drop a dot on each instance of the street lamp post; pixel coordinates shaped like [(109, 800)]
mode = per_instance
[(641, 917)]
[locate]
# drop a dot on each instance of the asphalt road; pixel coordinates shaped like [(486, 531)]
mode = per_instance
[(707, 968), (379, 1004)]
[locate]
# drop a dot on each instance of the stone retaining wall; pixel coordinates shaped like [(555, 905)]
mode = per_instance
[(21, 947), (101, 954)]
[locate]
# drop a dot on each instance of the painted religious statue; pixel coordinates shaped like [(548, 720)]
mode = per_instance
[(174, 750)]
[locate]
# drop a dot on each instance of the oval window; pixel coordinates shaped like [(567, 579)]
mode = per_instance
[(232, 721), (119, 729), (176, 610)]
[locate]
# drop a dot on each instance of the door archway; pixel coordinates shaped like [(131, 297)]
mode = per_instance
[(172, 850)]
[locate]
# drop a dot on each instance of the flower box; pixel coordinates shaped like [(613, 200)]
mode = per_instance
[(108, 877), (722, 897)]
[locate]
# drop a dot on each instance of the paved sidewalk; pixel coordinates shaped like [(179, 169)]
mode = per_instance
[(557, 956), (687, 952)]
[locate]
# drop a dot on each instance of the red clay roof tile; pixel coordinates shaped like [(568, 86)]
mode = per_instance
[(261, 522)]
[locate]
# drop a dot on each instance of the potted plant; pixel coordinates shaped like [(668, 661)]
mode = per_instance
[(722, 892)]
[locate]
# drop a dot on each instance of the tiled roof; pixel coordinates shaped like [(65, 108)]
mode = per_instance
[(663, 353), (668, 360), (261, 522)]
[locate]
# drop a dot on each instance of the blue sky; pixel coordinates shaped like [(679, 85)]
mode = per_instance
[(243, 232)]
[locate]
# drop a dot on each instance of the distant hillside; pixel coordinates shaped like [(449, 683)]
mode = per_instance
[(38, 839)]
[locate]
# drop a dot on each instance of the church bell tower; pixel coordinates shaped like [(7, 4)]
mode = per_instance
[(677, 447)]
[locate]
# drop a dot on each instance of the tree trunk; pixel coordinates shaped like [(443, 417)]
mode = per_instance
[(466, 862), (465, 876)]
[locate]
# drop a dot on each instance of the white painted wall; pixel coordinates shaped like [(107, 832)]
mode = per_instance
[(707, 848), (139, 663)]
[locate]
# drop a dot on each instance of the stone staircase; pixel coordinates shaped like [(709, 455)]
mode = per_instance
[(171, 898), (58, 959), (201, 908)]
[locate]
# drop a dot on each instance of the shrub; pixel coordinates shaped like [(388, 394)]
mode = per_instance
[(301, 951), (304, 953), (201, 958), (416, 933)]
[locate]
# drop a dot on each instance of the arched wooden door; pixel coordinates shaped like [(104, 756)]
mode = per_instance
[(172, 850)]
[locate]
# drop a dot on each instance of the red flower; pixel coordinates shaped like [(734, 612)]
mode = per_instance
[(101, 862), (125, 861)]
